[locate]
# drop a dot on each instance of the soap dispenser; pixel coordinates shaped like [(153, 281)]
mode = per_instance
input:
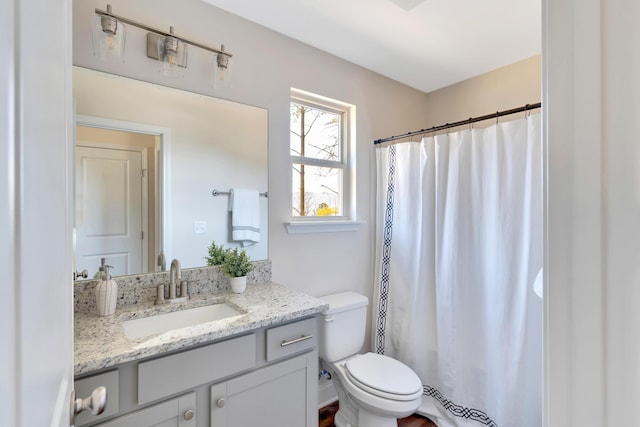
[(100, 273), (106, 294)]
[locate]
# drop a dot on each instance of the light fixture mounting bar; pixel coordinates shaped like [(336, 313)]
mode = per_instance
[(160, 32)]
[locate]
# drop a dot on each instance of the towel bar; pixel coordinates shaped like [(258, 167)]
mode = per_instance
[(216, 193)]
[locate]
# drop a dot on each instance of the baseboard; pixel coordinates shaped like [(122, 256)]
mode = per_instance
[(327, 393)]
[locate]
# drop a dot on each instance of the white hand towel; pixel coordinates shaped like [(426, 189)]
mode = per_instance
[(245, 216)]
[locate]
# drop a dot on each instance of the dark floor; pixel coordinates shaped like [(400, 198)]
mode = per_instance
[(328, 412)]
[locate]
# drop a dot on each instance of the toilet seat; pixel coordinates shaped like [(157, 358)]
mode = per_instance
[(383, 376)]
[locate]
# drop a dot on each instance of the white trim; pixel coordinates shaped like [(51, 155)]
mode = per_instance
[(327, 393), (305, 97), (35, 214), (322, 226), (164, 134), (10, 386), (347, 162), (575, 334), (310, 161)]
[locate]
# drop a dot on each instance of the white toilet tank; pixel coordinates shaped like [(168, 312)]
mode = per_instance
[(342, 326)]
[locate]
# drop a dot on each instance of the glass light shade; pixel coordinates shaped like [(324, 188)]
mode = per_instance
[(174, 56), (221, 71), (108, 38)]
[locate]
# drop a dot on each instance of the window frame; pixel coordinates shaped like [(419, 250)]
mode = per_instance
[(347, 220)]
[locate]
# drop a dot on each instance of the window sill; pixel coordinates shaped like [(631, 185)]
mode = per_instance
[(306, 227)]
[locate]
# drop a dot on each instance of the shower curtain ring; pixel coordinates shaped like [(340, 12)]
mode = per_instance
[(497, 115)]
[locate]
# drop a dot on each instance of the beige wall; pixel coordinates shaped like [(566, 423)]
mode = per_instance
[(508, 87)]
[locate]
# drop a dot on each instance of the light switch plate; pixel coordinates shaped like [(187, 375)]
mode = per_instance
[(199, 227)]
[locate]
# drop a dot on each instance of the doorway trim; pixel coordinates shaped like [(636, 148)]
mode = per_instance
[(164, 135)]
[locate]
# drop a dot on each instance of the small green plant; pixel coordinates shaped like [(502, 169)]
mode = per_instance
[(236, 263), (217, 254)]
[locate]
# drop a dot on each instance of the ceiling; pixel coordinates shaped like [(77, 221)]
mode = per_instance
[(426, 44)]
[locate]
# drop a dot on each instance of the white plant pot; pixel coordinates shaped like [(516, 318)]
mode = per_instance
[(106, 297), (238, 284)]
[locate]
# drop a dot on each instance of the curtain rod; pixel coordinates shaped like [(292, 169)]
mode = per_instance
[(468, 121)]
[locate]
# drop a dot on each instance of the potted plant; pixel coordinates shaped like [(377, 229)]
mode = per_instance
[(216, 254), (237, 265)]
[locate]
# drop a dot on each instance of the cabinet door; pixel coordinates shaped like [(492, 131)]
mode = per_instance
[(275, 396), (179, 412), (84, 387)]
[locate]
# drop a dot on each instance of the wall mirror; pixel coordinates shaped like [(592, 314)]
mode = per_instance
[(147, 160)]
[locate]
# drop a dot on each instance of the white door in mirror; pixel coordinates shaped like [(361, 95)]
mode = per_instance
[(109, 209)]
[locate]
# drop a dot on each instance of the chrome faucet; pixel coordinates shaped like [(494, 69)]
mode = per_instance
[(175, 273), (175, 280)]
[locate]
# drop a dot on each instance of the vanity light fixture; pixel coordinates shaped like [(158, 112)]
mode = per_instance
[(168, 48), (221, 69), (108, 36)]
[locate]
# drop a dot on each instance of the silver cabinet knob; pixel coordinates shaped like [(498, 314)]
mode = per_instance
[(220, 402), (96, 403), (188, 414)]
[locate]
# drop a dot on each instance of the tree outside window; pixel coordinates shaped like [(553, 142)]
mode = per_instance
[(318, 160)]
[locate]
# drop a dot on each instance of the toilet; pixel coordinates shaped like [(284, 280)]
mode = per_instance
[(373, 390)]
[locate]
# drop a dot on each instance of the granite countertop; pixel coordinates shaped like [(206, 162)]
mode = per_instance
[(100, 342)]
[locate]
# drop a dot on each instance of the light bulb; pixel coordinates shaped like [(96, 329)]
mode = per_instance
[(173, 54), (221, 69), (109, 37), (111, 42), (171, 49), (221, 73)]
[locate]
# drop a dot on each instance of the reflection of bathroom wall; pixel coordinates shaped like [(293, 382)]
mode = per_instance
[(214, 144), (110, 136)]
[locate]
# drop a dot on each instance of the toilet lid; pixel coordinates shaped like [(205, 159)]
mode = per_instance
[(383, 376)]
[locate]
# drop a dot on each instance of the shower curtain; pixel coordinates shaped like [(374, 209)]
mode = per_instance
[(458, 248)]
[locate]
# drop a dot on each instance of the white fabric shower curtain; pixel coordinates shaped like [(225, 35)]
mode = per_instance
[(458, 248)]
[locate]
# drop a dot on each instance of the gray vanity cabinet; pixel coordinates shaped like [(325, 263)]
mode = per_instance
[(283, 394), (266, 377), (179, 412)]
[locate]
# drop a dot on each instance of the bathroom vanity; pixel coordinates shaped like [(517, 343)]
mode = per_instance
[(258, 367)]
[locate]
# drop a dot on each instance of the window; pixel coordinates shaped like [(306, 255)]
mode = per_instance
[(320, 167)]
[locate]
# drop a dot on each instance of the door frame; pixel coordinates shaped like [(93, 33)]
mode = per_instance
[(163, 200), (36, 121)]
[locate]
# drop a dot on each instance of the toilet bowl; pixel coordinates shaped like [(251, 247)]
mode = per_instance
[(373, 390)]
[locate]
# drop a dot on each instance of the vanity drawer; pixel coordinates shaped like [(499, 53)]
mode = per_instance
[(292, 338), (84, 387), (171, 374)]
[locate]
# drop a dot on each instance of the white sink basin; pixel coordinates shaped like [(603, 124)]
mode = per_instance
[(145, 326)]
